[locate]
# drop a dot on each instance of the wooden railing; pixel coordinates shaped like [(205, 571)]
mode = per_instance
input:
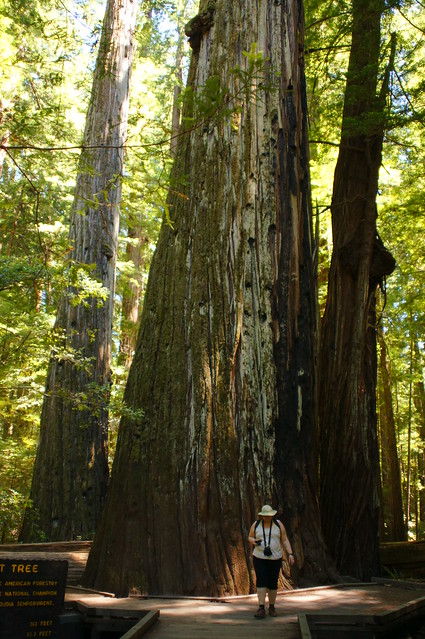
[(405, 558), (75, 552)]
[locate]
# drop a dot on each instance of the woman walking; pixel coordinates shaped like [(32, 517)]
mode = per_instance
[(267, 536)]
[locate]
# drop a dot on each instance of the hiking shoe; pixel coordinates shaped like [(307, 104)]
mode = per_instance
[(272, 611), (261, 613)]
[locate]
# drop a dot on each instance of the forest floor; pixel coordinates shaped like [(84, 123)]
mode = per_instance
[(232, 618)]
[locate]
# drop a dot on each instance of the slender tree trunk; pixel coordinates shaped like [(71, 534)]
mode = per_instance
[(132, 293), (409, 439), (392, 500), (419, 400), (12, 232), (4, 140), (71, 470), (176, 112), (224, 364), (348, 364), (183, 16)]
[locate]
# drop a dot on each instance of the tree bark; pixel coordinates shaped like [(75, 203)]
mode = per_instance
[(419, 403), (176, 110), (409, 437), (4, 140), (132, 293), (348, 365), (224, 364), (71, 469), (392, 527)]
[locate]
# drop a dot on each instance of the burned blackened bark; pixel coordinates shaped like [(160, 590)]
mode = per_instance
[(228, 318), (348, 365), (71, 469), (295, 340)]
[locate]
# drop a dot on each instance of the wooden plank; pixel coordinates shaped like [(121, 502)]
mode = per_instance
[(165, 630), (399, 583), (200, 618), (304, 627), (108, 611), (74, 552), (362, 625), (54, 546), (142, 626), (412, 610)]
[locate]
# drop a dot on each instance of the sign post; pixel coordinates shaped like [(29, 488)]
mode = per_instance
[(32, 594)]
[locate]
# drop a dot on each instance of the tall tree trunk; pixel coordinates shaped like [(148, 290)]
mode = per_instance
[(409, 437), (183, 9), (348, 365), (4, 140), (227, 332), (419, 401), (132, 292), (392, 499), (176, 111), (71, 470)]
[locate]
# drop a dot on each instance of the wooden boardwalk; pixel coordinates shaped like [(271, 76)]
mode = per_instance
[(232, 618)]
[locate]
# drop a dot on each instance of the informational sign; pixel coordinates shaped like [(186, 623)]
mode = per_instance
[(32, 594)]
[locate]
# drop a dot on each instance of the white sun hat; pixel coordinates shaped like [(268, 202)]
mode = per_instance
[(267, 511)]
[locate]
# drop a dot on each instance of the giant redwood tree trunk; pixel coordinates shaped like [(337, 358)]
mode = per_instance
[(348, 366), (224, 364), (71, 468)]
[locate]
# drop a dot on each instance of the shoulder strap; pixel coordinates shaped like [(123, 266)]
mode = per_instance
[(258, 522)]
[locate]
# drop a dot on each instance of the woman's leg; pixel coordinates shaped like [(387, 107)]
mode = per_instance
[(261, 594), (260, 574), (274, 571)]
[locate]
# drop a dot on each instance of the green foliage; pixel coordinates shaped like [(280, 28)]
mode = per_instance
[(47, 53), (253, 79), (400, 199), (327, 46), (402, 221), (215, 102), (118, 408), (17, 460), (18, 272), (209, 101), (83, 288), (43, 100)]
